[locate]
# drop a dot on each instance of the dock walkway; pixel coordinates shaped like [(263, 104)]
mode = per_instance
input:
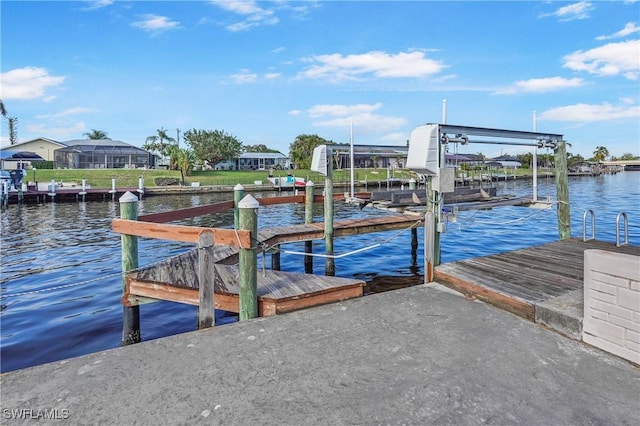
[(542, 283)]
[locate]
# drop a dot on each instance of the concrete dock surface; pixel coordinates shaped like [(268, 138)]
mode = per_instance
[(420, 355)]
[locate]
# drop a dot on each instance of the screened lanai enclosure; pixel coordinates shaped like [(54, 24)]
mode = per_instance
[(102, 154)]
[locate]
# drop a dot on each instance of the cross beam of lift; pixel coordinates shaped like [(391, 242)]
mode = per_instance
[(460, 134), (425, 156)]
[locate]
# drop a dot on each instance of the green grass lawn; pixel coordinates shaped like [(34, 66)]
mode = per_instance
[(127, 178)]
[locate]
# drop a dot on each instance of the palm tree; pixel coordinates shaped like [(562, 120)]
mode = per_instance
[(96, 135), (163, 144), (601, 153)]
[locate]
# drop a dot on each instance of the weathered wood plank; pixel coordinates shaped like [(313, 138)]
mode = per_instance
[(470, 289), (525, 276), (278, 291), (287, 199), (187, 234), (186, 213), (206, 278)]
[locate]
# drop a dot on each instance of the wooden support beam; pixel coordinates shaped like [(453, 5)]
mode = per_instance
[(187, 234), (187, 213)]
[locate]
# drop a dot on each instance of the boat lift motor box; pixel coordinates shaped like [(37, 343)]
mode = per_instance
[(319, 160), (423, 155)]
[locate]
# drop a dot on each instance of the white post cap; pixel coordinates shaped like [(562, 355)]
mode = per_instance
[(238, 187), (248, 202), (128, 197)]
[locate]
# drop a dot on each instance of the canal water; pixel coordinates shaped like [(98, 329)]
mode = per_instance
[(61, 283)]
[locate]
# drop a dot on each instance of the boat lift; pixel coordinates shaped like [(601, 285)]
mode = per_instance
[(426, 155)]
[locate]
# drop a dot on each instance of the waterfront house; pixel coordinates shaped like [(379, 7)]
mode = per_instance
[(102, 154), (42, 147)]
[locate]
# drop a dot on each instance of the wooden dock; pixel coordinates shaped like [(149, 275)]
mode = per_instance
[(519, 280), (176, 278)]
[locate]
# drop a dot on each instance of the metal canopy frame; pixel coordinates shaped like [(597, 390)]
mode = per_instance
[(500, 133)]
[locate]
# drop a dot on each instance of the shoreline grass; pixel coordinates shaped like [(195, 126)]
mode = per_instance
[(128, 178)]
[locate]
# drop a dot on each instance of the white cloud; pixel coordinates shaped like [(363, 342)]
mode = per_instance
[(65, 113), (582, 113), (73, 130), (27, 83), (341, 110), (360, 115), (571, 12), (379, 64), (272, 75), (244, 77), (155, 23), (295, 112), (611, 59), (541, 85), (98, 4), (253, 14), (279, 49), (628, 29)]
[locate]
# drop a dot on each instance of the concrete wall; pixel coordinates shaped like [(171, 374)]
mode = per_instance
[(612, 303)]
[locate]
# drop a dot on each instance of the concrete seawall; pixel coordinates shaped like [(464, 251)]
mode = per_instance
[(419, 355)]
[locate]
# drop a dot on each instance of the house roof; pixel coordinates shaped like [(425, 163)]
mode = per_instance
[(37, 139), (101, 146), (12, 154), (96, 142), (262, 155)]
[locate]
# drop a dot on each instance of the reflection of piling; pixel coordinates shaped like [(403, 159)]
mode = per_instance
[(308, 218), (130, 314), (414, 246), (248, 259), (52, 189), (84, 189), (5, 193)]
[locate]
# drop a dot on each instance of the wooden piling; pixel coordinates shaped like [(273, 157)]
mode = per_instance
[(329, 264), (206, 279), (130, 314), (238, 194), (248, 259), (562, 191), (308, 218), (429, 246)]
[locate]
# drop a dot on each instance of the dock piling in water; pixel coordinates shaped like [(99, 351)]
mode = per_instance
[(329, 263), (130, 314), (206, 279), (308, 218), (248, 259), (562, 191), (238, 194)]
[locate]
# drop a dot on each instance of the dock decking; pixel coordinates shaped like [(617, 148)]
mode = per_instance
[(519, 280), (176, 278)]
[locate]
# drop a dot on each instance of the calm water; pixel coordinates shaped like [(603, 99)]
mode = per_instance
[(61, 285)]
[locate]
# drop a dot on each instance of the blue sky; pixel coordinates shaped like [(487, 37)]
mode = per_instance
[(267, 72)]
